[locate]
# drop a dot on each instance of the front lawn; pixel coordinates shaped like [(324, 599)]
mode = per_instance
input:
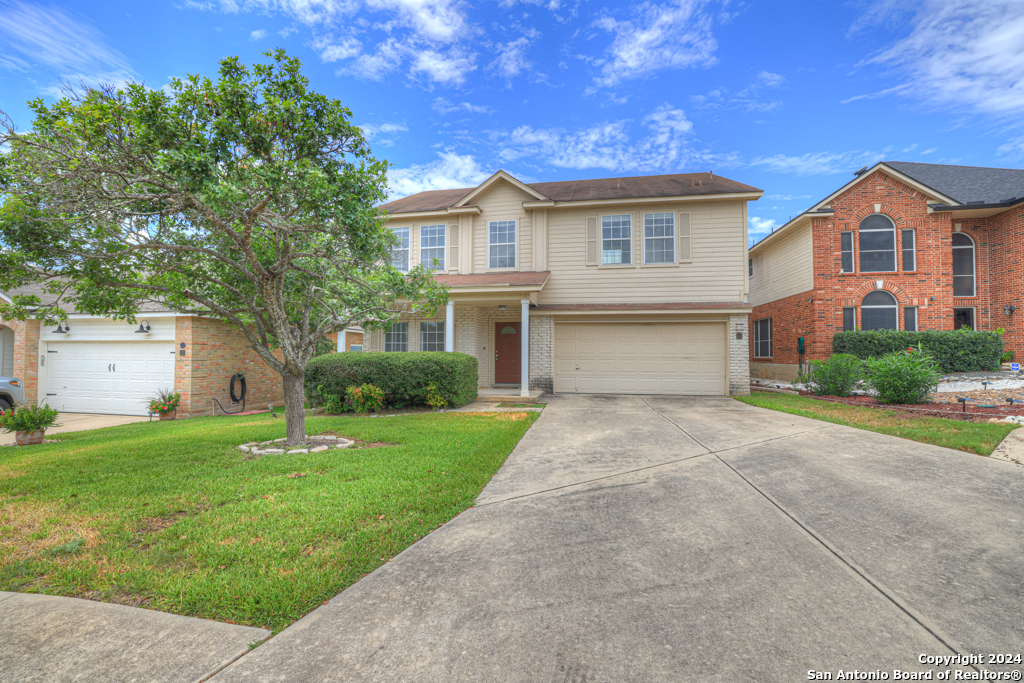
[(175, 518), (974, 437)]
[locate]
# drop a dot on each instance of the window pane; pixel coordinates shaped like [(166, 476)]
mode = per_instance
[(963, 317), (878, 318), (502, 239), (397, 338), (400, 254), (432, 243), (877, 241), (877, 261), (877, 251), (963, 285), (432, 336), (763, 338), (616, 239), (846, 246), (910, 319), (963, 261), (849, 319), (879, 298), (877, 221), (909, 252), (659, 238)]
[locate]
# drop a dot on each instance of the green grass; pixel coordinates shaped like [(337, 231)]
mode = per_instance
[(974, 437), (170, 515)]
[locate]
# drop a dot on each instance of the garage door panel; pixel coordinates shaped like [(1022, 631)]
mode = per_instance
[(657, 358), (108, 377)]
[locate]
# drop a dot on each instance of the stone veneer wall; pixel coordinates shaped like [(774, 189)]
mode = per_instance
[(739, 361), (26, 355), (542, 352)]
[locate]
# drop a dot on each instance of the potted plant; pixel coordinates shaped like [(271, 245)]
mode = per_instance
[(29, 423), (165, 404)]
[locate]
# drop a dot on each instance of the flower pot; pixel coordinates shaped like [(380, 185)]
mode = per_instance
[(168, 416), (29, 438)]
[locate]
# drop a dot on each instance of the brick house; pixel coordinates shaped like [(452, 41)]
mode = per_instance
[(901, 246), (617, 285)]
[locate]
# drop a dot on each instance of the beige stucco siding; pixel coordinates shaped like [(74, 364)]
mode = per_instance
[(784, 268), (714, 273)]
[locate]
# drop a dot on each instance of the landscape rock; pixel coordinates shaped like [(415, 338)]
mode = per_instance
[(273, 451), (299, 451), (244, 449), (319, 449)]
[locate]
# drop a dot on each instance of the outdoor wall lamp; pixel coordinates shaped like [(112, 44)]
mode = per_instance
[(62, 328), (143, 327), (1008, 309)]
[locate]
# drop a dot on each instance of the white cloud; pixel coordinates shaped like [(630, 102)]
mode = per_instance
[(443, 106), (447, 68), (758, 226), (386, 58), (258, 34), (662, 36), (930, 150), (287, 31), (550, 4), (383, 133), (960, 53), (820, 163), (52, 37), (511, 58), (331, 50), (448, 171), (749, 98)]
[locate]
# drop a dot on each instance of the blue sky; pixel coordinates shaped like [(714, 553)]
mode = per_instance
[(790, 97)]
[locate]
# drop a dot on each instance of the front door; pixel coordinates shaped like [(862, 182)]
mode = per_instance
[(508, 353)]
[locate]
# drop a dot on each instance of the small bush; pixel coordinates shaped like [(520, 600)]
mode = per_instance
[(332, 404), (434, 399), (953, 350), (833, 377), (29, 418), (906, 376), (1007, 357), (405, 378), (365, 399)]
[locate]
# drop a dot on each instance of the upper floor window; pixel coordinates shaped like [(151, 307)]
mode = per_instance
[(400, 253), (432, 246), (846, 249), (878, 311), (750, 267), (909, 251), (397, 338), (877, 244), (501, 244), (616, 239), (659, 238), (963, 265)]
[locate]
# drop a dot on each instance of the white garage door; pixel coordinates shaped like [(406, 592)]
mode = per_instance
[(114, 378), (641, 358)]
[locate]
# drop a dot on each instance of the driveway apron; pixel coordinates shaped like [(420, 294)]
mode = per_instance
[(672, 539)]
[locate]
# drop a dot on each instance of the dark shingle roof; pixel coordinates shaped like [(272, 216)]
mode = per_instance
[(675, 185), (46, 298), (966, 183)]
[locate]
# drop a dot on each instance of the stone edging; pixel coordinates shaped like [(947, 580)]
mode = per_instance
[(314, 444)]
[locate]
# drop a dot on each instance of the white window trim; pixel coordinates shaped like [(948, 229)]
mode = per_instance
[(675, 239), (771, 348), (860, 252), (842, 312), (853, 251), (423, 331), (444, 249), (974, 277), (407, 250), (515, 244), (903, 250), (917, 319), (600, 242), (895, 306), (974, 315)]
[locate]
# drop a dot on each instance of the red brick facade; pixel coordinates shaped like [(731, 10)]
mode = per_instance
[(999, 247), (26, 352), (351, 339)]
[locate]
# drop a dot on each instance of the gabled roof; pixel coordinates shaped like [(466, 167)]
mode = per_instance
[(966, 184), (636, 187)]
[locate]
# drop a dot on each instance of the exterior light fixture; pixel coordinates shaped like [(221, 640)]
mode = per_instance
[(143, 327), (1008, 309), (62, 328), (501, 308)]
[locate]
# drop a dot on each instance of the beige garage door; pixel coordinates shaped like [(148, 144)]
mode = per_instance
[(641, 358)]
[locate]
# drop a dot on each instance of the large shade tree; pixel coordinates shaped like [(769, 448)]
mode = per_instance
[(248, 198)]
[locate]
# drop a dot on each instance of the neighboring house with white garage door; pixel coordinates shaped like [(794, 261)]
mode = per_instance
[(97, 365), (618, 286)]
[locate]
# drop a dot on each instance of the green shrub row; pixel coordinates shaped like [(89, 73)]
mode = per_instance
[(406, 378), (953, 351)]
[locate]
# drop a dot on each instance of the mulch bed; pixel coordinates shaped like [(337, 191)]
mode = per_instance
[(938, 409)]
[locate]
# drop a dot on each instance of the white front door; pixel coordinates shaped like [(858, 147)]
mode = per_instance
[(113, 378)]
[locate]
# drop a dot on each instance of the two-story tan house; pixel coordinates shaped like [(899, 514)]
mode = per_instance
[(618, 285)]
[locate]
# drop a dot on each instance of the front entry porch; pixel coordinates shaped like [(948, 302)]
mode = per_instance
[(510, 394)]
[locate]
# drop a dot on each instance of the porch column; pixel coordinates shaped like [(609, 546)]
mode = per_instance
[(341, 341), (449, 326), (524, 370)]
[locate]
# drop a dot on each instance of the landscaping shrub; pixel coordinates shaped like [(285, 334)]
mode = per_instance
[(405, 378), (906, 376), (953, 351), (365, 399), (833, 377)]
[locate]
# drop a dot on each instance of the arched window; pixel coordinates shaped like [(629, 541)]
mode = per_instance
[(963, 265), (878, 311), (877, 244)]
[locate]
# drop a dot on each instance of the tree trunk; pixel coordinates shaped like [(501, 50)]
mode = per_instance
[(294, 410)]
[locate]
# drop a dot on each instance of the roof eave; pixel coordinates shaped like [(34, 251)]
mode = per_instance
[(468, 210), (753, 196)]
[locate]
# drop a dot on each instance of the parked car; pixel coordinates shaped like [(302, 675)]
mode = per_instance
[(11, 393)]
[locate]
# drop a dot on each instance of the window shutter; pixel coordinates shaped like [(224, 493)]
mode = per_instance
[(453, 247), (683, 237), (592, 250)]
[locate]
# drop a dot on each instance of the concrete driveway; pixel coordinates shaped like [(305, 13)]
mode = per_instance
[(76, 422), (681, 539)]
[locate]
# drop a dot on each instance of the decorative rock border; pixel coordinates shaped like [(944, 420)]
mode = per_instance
[(314, 444)]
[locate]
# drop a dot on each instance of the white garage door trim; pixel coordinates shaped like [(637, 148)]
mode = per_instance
[(108, 378), (676, 358)]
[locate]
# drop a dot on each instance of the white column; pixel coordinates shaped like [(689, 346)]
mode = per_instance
[(341, 341), (449, 327), (524, 370)]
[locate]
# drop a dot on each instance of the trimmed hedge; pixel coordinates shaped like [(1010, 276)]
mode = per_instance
[(954, 350), (404, 377)]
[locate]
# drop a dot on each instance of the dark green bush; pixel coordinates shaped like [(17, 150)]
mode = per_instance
[(906, 376), (833, 377), (953, 351), (404, 377)]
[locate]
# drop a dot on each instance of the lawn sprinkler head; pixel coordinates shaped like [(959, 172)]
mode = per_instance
[(272, 411), (962, 400), (985, 384)]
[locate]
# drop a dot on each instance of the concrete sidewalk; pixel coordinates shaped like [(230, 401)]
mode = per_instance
[(47, 638)]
